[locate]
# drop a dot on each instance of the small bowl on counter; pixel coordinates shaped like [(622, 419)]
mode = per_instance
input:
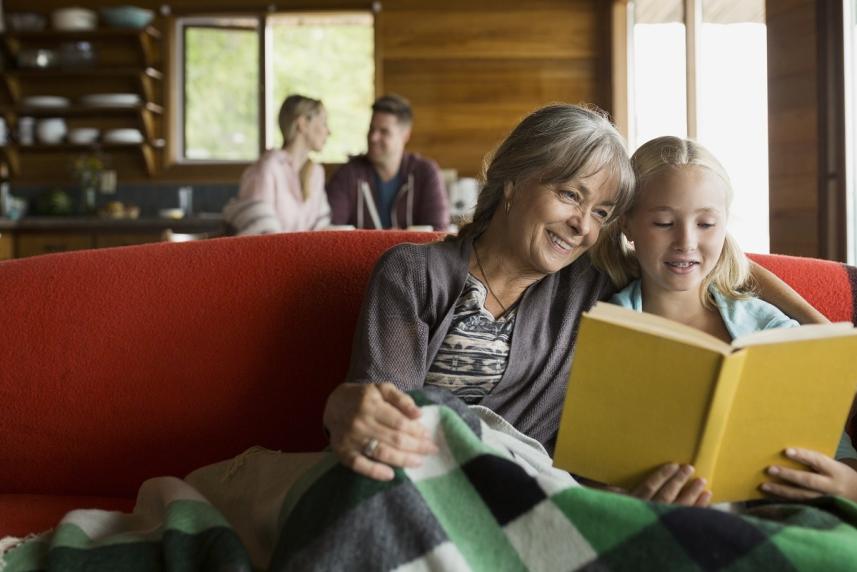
[(126, 17), (172, 214)]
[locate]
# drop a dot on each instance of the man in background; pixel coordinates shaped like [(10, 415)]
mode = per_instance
[(389, 187)]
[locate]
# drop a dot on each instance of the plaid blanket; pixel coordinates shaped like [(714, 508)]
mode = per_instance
[(488, 501)]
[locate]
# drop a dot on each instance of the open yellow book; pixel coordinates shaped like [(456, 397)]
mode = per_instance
[(644, 391)]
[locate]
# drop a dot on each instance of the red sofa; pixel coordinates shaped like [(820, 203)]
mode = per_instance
[(122, 364)]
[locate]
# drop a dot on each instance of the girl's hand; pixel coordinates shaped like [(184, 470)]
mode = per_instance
[(669, 484), (374, 427), (827, 477)]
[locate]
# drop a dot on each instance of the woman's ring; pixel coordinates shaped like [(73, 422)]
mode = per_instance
[(370, 447)]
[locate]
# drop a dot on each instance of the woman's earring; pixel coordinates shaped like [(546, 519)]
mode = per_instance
[(508, 206)]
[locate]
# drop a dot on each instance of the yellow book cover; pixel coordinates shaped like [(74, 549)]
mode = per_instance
[(644, 391)]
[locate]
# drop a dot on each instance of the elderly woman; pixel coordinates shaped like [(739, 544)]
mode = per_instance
[(492, 313)]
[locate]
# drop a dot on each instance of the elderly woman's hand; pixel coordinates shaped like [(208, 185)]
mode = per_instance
[(671, 483), (374, 427)]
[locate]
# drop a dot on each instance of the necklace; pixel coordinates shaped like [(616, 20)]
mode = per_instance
[(485, 276)]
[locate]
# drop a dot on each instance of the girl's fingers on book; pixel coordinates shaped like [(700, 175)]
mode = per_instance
[(704, 499), (665, 483), (693, 493), (651, 485), (804, 479), (813, 459), (789, 492)]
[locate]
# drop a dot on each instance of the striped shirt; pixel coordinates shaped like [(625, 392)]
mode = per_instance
[(473, 356)]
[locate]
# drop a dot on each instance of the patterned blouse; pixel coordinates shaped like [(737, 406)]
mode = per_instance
[(473, 356)]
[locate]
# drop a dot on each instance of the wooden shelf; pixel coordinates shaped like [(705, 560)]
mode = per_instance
[(130, 62), (68, 72), (147, 39), (98, 34), (82, 110), (147, 149)]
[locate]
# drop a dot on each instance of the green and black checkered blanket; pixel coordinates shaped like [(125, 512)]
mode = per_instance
[(488, 501)]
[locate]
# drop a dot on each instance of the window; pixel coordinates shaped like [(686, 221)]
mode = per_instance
[(234, 73), (698, 68)]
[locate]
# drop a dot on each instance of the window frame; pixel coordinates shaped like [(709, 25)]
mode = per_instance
[(174, 163)]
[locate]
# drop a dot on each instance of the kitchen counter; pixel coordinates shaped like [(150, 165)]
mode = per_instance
[(203, 223)]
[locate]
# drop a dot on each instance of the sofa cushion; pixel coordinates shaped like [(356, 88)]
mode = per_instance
[(23, 514), (127, 363)]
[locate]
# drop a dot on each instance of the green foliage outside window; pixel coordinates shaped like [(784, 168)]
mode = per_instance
[(317, 57), (221, 94)]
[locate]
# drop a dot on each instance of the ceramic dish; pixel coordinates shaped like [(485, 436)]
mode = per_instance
[(45, 101), (73, 19), (126, 17), (83, 135), (110, 99), (122, 136), (26, 21), (51, 130)]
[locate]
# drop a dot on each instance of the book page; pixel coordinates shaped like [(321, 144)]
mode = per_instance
[(790, 395), (657, 325), (808, 332)]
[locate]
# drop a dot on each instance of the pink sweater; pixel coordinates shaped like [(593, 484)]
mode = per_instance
[(274, 180)]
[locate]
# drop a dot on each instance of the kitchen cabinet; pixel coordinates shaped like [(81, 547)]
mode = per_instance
[(7, 248), (127, 62), (104, 240), (49, 242)]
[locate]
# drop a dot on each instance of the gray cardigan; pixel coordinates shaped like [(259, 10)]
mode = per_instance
[(409, 306)]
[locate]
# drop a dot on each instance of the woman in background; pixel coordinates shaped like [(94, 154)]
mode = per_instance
[(284, 190)]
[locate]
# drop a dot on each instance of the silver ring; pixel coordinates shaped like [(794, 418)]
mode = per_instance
[(370, 447)]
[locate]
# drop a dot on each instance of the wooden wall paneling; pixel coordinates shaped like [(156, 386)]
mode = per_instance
[(793, 144), (806, 128), (472, 71), (832, 209)]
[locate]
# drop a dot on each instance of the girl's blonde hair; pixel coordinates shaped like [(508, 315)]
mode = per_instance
[(614, 254), (552, 145), (294, 107)]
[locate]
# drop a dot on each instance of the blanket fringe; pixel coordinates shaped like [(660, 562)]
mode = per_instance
[(9, 543)]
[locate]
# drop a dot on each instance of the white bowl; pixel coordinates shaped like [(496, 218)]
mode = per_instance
[(45, 101), (51, 131), (122, 136), (83, 135), (108, 99), (74, 19)]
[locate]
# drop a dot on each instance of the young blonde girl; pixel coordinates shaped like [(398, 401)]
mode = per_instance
[(672, 256)]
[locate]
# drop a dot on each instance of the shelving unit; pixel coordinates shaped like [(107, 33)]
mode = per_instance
[(127, 62)]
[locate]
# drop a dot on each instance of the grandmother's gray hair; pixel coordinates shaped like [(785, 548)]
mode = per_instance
[(553, 145)]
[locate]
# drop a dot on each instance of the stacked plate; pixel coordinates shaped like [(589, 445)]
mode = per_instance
[(111, 99), (83, 135), (122, 136), (45, 101)]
